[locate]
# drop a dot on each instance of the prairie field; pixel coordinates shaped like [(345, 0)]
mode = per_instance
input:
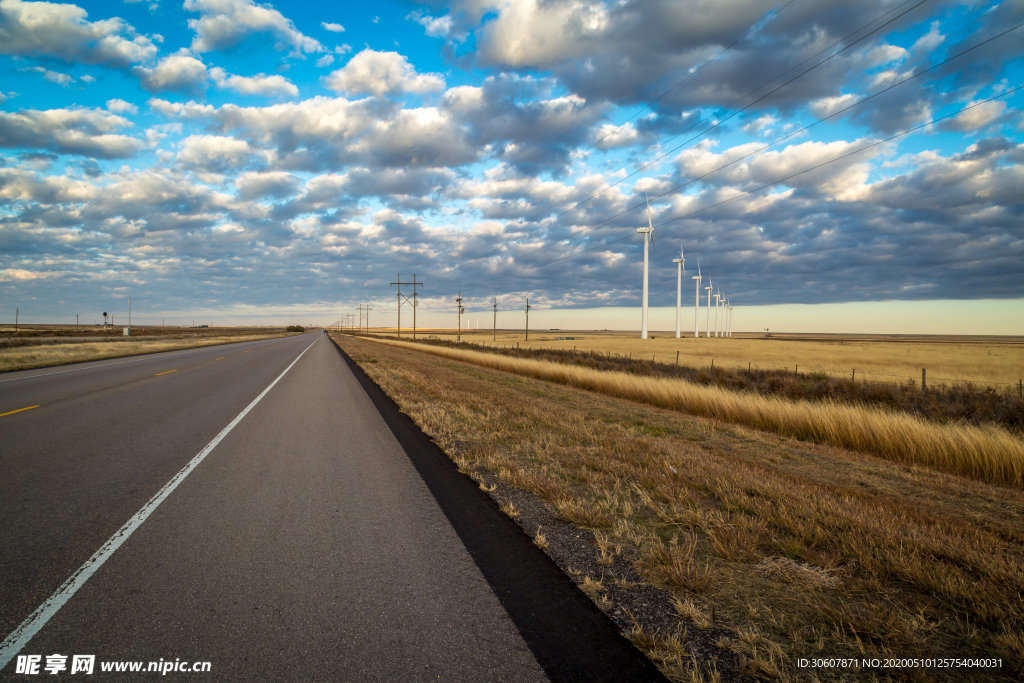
[(762, 547), (996, 361), (35, 349), (988, 453)]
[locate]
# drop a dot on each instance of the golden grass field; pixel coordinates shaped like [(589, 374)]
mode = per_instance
[(45, 355), (987, 453), (995, 361), (795, 549)]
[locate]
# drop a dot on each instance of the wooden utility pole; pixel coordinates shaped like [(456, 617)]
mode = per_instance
[(495, 337), (527, 318), (458, 303)]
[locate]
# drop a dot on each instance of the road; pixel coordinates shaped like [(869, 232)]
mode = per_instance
[(304, 545)]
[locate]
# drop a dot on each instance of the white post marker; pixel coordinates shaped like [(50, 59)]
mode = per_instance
[(18, 638)]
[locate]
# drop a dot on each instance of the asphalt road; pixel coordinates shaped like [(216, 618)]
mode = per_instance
[(305, 546)]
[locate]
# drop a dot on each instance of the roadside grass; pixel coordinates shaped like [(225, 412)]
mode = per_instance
[(987, 453), (799, 550), (45, 355)]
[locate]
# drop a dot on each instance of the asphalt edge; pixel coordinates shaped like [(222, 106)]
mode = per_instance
[(569, 636)]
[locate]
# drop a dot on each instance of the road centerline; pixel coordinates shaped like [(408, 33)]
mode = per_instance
[(19, 410), (20, 637), (165, 373)]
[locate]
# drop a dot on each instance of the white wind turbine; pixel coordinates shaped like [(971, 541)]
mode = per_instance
[(729, 307), (718, 300), (680, 274), (648, 233), (707, 323), (696, 306)]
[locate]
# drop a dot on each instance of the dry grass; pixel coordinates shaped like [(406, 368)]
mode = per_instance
[(37, 356), (987, 453), (848, 555), (963, 359)]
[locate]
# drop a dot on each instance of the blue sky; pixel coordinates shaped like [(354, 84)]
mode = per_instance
[(254, 162)]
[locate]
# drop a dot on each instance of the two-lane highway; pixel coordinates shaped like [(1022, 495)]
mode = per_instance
[(303, 547)]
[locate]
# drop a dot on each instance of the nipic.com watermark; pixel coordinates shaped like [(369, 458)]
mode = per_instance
[(86, 664)]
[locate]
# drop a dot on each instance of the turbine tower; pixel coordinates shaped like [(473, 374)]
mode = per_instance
[(718, 299), (696, 306), (707, 323), (680, 274), (648, 234)]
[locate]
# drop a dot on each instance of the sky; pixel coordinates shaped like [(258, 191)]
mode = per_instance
[(245, 162)]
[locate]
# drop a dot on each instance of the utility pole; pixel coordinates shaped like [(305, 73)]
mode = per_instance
[(413, 302), (458, 302), (17, 311), (495, 336), (527, 318), (129, 316)]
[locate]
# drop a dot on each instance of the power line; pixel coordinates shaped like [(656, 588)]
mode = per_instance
[(717, 124), (774, 182), (775, 142)]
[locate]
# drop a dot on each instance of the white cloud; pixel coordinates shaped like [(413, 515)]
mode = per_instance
[(975, 118), (326, 60), (437, 27), (333, 28), (826, 106), (87, 79), (180, 72), (274, 184), (342, 49), (381, 73), (225, 23), (87, 132), (260, 84), (121, 107), (46, 29), (928, 41), (214, 152), (57, 77)]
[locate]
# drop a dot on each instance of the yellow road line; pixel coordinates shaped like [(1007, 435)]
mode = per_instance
[(164, 373), (221, 358), (18, 410), (246, 351)]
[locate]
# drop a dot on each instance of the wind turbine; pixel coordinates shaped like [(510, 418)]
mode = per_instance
[(718, 299), (707, 323), (648, 233), (696, 306), (680, 274)]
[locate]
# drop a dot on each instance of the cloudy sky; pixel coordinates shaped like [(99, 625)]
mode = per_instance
[(248, 160)]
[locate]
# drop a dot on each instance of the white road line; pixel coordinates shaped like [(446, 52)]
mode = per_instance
[(154, 356), (13, 644)]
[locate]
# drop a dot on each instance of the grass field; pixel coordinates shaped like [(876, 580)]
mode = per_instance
[(35, 349), (987, 453), (779, 548), (996, 361)]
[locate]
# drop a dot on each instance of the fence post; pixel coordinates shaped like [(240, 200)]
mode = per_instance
[(924, 386), (677, 358), (796, 369), (1020, 388), (853, 377)]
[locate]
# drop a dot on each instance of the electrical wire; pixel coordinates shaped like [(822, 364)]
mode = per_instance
[(672, 151), (775, 142), (766, 185)]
